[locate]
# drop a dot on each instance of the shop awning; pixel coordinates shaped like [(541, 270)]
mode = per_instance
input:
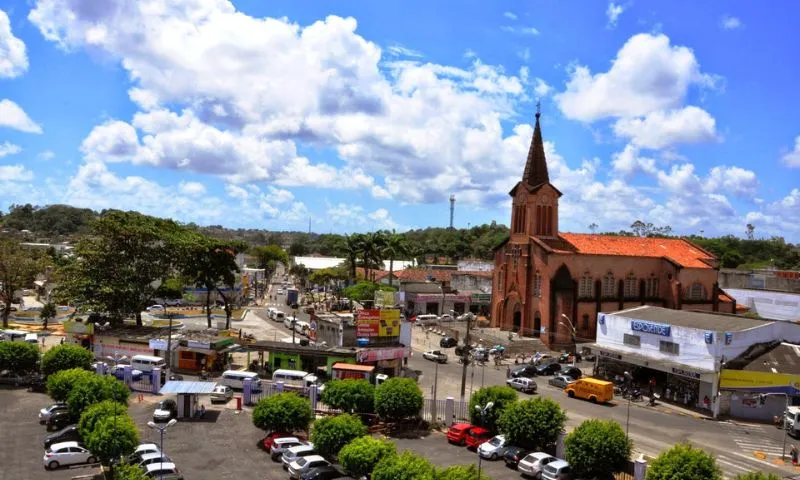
[(204, 351), (659, 364), (200, 388)]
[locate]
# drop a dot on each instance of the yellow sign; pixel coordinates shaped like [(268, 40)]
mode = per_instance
[(80, 328), (764, 382), (378, 323)]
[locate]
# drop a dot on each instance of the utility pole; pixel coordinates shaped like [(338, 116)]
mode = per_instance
[(170, 316), (465, 356)]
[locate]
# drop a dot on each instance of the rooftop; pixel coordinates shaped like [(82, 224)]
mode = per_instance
[(174, 386), (683, 318), (784, 358), (677, 250)]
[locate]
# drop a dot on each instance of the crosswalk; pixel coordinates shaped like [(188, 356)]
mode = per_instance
[(755, 438)]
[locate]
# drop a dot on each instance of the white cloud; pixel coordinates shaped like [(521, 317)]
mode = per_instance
[(13, 58), (279, 195), (647, 75), (662, 129), (12, 116), (237, 192), (192, 189), (15, 173), (8, 148), (380, 192), (729, 22), (736, 180), (510, 15), (46, 155), (779, 218), (520, 30), (382, 220), (627, 162), (345, 214), (111, 141), (542, 89), (792, 158), (613, 12), (401, 51)]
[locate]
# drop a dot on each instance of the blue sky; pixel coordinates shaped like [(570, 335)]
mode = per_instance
[(370, 114)]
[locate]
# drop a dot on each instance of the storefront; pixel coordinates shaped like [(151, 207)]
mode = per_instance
[(198, 355), (78, 333), (388, 361), (296, 357)]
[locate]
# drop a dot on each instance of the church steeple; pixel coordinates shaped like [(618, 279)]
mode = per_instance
[(536, 167)]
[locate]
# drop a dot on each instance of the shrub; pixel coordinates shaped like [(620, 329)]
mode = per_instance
[(406, 466), (597, 448), (532, 424), (127, 471), (354, 396), (460, 472), (284, 412), (360, 456), (330, 434), (758, 476), (685, 462), (95, 389), (98, 411), (18, 357), (112, 437), (398, 398), (501, 396), (61, 383), (65, 357)]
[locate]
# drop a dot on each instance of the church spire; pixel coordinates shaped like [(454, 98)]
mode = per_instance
[(536, 167)]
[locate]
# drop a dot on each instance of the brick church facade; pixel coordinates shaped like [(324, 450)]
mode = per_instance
[(541, 274)]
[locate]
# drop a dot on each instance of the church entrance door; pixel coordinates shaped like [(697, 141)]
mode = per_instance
[(517, 318), (537, 324)]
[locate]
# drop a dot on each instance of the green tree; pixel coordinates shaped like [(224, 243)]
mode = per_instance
[(685, 462), (360, 456), (350, 395), (460, 472), (18, 269), (18, 357), (284, 412), (95, 389), (395, 247), (500, 396), (112, 437), (268, 256), (365, 290), (598, 449), (372, 246), (48, 313), (352, 251), (330, 434), (732, 259), (758, 476), (98, 411), (406, 466), (211, 264), (65, 357), (532, 424), (126, 471), (61, 383), (398, 398)]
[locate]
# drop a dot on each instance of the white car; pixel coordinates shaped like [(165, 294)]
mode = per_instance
[(294, 453), (522, 384), (304, 464), (533, 464), (280, 445), (157, 470), (142, 450), (221, 393), (435, 356), (494, 448), (446, 318), (149, 458), (66, 453), (47, 412)]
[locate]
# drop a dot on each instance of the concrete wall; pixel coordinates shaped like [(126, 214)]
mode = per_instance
[(471, 282), (746, 279)]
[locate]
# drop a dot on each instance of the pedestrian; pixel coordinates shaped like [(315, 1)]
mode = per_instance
[(508, 371), (42, 342), (794, 454), (707, 402), (62, 340)]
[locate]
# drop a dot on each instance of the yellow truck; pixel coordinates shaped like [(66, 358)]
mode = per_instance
[(592, 389)]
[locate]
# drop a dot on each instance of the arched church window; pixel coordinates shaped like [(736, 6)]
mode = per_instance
[(631, 286), (608, 285), (585, 287), (537, 285)]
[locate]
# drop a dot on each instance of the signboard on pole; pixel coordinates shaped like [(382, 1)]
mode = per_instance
[(378, 323)]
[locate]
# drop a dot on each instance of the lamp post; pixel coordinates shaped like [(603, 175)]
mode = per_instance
[(574, 334), (435, 391), (482, 412), (294, 322), (629, 377), (170, 316), (161, 429), (465, 358)]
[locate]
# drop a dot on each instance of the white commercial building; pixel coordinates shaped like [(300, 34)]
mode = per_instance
[(682, 351)]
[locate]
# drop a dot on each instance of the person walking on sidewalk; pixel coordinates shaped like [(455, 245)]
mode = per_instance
[(793, 454)]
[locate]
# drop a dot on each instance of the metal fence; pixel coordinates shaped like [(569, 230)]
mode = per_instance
[(460, 410)]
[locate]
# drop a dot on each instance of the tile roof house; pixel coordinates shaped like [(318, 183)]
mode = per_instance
[(542, 275)]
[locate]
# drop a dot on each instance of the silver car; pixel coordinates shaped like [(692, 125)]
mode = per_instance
[(292, 454), (304, 464), (533, 464), (494, 448), (280, 445), (221, 393)]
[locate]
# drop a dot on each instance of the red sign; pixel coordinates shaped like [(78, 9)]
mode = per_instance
[(368, 323), (375, 354)]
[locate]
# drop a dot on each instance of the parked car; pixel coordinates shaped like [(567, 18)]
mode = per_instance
[(548, 369), (457, 433), (528, 371), (304, 464), (533, 463), (513, 455), (494, 448), (435, 356), (462, 350), (270, 439), (58, 420), (149, 458), (159, 470), (221, 393), (558, 470), (141, 450), (280, 445), (448, 342), (567, 357), (7, 377), (67, 434), (446, 318), (325, 472), (166, 410), (119, 372), (292, 454), (476, 436), (560, 381), (525, 385), (46, 412), (573, 372), (37, 383), (66, 453)]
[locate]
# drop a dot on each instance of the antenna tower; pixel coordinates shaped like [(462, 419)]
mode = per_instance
[(452, 208)]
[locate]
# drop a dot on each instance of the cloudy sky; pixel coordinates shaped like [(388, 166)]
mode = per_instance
[(370, 114)]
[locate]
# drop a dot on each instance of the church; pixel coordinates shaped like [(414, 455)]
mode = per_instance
[(547, 283)]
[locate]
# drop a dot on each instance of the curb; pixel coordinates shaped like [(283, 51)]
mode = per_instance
[(669, 411)]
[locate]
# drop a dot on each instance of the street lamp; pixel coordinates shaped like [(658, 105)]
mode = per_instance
[(435, 390), (574, 334), (629, 377), (482, 412), (170, 316), (161, 429)]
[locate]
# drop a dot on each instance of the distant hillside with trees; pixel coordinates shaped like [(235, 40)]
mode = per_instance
[(60, 222)]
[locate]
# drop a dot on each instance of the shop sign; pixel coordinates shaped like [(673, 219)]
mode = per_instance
[(378, 323), (196, 344), (158, 344), (615, 356), (109, 350), (481, 297), (79, 328), (685, 373), (649, 327), (760, 382), (377, 354)]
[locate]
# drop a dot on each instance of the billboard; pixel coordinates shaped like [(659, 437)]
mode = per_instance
[(384, 299), (759, 382), (378, 323)]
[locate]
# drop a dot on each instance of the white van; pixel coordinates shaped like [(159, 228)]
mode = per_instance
[(271, 313), (301, 327), (296, 378), (146, 363), (425, 320), (32, 338), (279, 316), (289, 322), (235, 379)]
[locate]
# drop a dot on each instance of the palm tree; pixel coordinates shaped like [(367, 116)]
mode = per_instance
[(353, 247), (371, 251), (396, 246)]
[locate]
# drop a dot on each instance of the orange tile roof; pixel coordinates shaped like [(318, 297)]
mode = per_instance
[(475, 273), (678, 250), (378, 274), (421, 275)]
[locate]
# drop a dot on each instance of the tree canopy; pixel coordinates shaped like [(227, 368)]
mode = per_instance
[(532, 424), (350, 395), (360, 456), (500, 396), (330, 434), (98, 411), (284, 412), (19, 357), (597, 449), (62, 382), (685, 462), (111, 437), (18, 269), (406, 466), (398, 398), (65, 357), (94, 389), (460, 472)]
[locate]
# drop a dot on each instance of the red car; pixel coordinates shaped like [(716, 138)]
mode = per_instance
[(269, 439), (458, 433), (476, 436)]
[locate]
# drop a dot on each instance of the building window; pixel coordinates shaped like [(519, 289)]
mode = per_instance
[(585, 320), (652, 286), (631, 286), (669, 347), (585, 286), (500, 279), (632, 340), (697, 291), (537, 285), (608, 285)]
